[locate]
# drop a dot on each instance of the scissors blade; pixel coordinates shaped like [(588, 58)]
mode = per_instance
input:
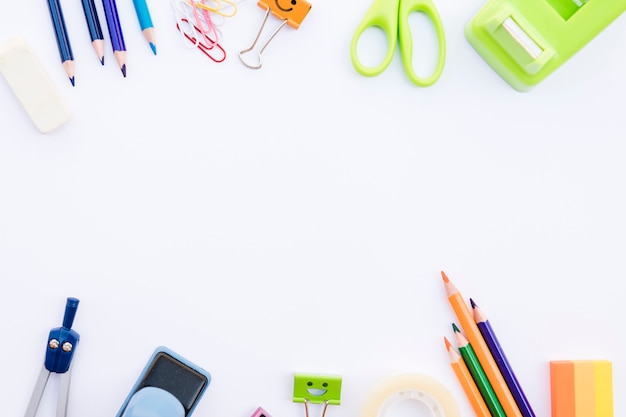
[(35, 398), (64, 392)]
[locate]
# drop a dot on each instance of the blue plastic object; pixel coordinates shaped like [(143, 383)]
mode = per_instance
[(169, 386), (153, 402), (62, 341)]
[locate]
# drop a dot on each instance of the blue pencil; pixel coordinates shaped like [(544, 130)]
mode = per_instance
[(115, 31), (95, 30), (503, 364), (145, 22), (63, 41)]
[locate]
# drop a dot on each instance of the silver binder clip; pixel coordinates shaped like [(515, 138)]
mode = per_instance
[(291, 13)]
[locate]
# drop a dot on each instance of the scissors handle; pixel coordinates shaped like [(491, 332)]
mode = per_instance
[(406, 39), (392, 16), (384, 15)]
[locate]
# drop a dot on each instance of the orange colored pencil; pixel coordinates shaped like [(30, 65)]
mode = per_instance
[(467, 382), (466, 319)]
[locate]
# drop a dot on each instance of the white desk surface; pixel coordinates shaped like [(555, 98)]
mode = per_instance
[(296, 218)]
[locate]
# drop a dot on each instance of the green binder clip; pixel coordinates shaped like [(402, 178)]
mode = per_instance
[(316, 389), (524, 41)]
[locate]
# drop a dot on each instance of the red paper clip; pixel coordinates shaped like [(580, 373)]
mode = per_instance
[(205, 48)]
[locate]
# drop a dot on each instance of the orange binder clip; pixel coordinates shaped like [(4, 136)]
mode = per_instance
[(291, 12)]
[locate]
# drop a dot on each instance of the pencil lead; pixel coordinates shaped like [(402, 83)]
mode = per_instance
[(124, 70), (153, 47), (456, 329), (445, 277), (472, 303), (72, 81), (448, 344), (102, 60)]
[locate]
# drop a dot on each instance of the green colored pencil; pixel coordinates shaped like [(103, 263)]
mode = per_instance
[(480, 378)]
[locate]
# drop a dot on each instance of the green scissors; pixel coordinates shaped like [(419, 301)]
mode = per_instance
[(392, 16)]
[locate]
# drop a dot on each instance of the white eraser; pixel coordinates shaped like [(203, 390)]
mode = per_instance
[(32, 86)]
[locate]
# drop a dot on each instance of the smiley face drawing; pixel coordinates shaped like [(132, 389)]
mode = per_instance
[(294, 2), (317, 389), (293, 11)]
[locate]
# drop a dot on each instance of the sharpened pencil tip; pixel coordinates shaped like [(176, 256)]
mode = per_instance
[(102, 60), (472, 303), (445, 277), (456, 329), (448, 344), (153, 47), (72, 81), (124, 70)]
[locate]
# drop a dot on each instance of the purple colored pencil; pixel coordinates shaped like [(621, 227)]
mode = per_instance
[(503, 364), (115, 32)]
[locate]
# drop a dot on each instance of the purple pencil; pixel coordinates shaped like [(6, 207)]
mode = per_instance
[(115, 31), (503, 364)]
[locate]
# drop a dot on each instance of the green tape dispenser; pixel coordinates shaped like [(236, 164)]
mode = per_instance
[(524, 41)]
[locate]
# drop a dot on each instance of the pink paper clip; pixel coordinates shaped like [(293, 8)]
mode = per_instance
[(201, 20), (202, 46)]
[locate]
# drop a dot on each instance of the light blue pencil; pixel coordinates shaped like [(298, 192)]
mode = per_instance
[(145, 22)]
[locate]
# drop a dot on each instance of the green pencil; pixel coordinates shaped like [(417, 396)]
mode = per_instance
[(480, 378)]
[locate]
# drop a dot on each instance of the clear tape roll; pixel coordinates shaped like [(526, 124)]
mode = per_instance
[(423, 388)]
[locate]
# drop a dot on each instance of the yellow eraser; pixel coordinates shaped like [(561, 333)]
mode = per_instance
[(32, 86), (581, 388), (604, 388)]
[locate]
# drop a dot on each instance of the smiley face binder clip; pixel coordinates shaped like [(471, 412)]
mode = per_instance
[(169, 386), (62, 342), (291, 12), (316, 389)]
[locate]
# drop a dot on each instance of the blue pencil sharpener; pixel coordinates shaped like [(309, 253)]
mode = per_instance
[(169, 386)]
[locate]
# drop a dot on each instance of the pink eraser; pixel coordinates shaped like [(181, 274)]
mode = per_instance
[(260, 412)]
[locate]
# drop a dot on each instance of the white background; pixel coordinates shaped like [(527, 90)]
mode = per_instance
[(296, 218)]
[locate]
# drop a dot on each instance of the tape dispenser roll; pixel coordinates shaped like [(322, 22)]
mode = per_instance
[(423, 388)]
